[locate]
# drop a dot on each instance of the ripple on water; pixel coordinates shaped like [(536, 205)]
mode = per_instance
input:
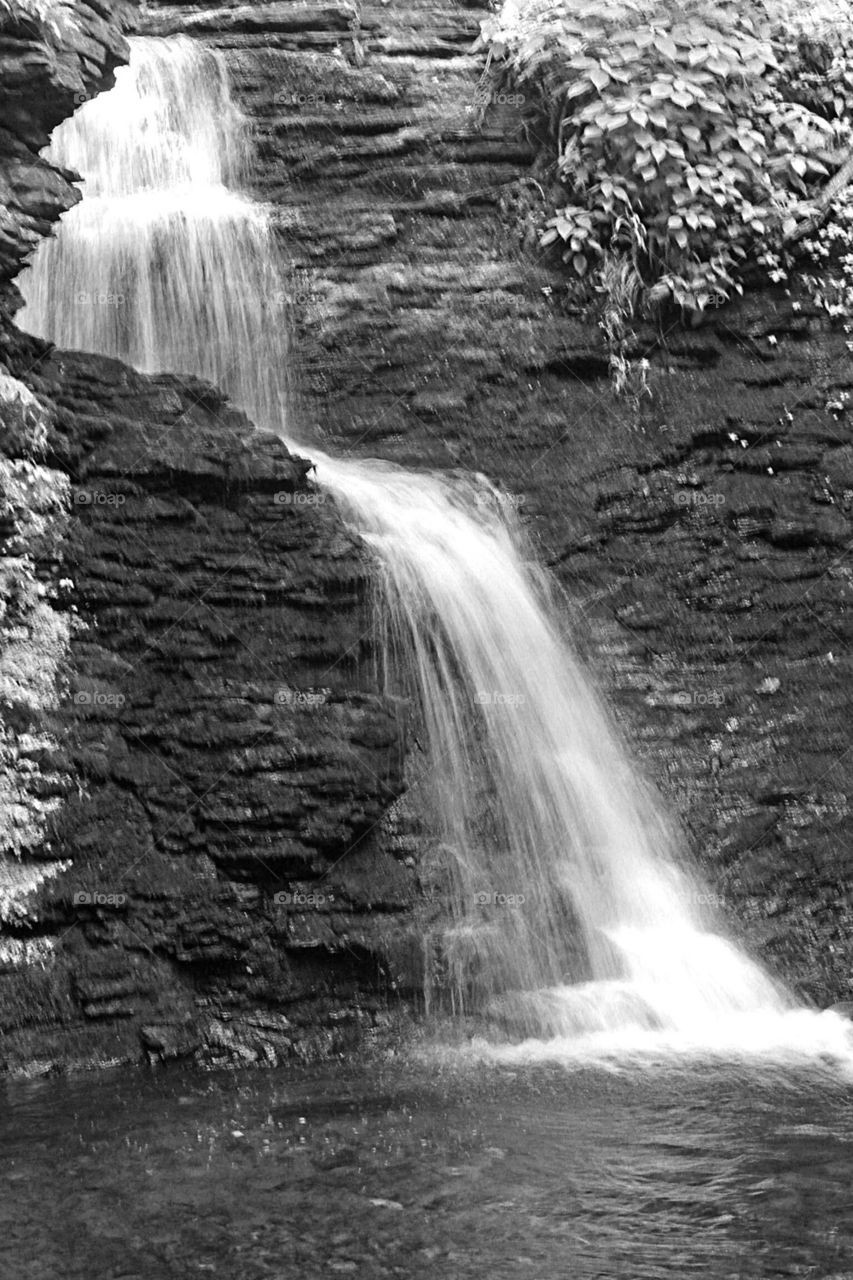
[(456, 1166)]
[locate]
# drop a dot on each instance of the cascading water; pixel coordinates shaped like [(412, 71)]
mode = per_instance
[(568, 915), (165, 264)]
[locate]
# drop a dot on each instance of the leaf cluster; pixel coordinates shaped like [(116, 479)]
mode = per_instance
[(687, 134)]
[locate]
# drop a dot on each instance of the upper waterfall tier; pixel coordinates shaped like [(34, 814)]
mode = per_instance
[(169, 122), (165, 264)]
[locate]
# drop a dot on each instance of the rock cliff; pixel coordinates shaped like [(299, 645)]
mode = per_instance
[(196, 762), (701, 529), (201, 774)]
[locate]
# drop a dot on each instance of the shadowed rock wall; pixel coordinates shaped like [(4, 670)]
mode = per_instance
[(196, 762)]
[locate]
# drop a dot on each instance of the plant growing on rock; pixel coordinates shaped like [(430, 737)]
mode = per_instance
[(687, 138), (817, 69)]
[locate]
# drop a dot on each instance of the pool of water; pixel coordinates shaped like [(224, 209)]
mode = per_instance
[(440, 1167)]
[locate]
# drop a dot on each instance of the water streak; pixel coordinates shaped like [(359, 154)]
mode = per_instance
[(568, 914), (551, 839), (165, 263)]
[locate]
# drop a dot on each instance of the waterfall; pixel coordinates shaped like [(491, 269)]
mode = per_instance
[(164, 264), (568, 912)]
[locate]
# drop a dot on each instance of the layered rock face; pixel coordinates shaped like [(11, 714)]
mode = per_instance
[(701, 527), (196, 764), (201, 774), (53, 57)]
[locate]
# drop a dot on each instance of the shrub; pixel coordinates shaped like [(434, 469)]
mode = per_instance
[(689, 135)]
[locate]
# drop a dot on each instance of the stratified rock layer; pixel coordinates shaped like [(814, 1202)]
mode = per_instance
[(196, 765), (702, 529), (52, 58), (218, 767)]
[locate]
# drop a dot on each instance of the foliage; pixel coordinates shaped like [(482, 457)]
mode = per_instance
[(817, 62), (689, 134)]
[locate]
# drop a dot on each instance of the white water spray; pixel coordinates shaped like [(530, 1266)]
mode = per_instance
[(568, 916), (164, 263)]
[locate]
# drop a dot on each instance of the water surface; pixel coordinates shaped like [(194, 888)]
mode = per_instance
[(437, 1169)]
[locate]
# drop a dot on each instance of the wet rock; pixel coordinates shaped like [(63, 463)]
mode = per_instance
[(52, 59), (701, 531), (213, 728), (167, 1040)]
